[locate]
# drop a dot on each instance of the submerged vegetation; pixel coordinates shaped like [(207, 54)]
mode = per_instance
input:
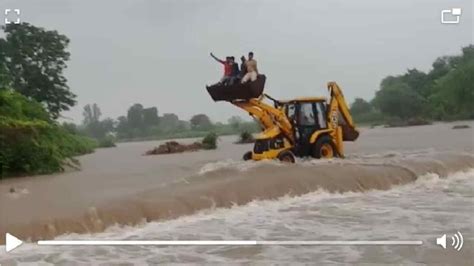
[(445, 93), (245, 137), (209, 142)]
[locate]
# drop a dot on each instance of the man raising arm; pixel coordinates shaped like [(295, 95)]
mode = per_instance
[(217, 59), (227, 68)]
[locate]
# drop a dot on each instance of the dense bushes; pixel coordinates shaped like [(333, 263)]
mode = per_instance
[(30, 142), (106, 142)]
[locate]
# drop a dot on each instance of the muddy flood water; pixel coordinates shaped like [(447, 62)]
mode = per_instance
[(413, 183)]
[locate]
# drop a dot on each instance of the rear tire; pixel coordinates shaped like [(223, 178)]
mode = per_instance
[(286, 157), (324, 148), (247, 156)]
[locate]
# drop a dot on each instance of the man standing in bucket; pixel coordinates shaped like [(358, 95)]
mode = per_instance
[(227, 68), (252, 71)]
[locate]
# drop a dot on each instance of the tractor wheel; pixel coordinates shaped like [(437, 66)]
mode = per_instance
[(247, 156), (324, 148), (286, 157)]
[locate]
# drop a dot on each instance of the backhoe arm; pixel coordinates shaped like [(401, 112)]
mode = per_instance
[(338, 105), (336, 95)]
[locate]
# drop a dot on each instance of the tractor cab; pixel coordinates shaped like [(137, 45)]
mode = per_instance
[(307, 116)]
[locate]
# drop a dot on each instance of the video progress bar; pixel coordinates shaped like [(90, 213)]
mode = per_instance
[(225, 243)]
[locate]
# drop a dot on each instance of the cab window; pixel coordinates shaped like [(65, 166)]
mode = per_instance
[(321, 111), (306, 117), (290, 112)]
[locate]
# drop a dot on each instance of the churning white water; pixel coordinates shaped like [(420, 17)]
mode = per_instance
[(422, 210)]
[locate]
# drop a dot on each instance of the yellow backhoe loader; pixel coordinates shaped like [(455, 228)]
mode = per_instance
[(299, 127)]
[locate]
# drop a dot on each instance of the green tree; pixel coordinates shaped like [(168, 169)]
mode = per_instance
[(107, 125), (441, 67), (360, 106), (445, 92), (93, 126), (91, 114), (91, 121), (135, 116), (169, 122), (122, 128), (468, 53), (417, 81), (4, 76), (453, 93), (201, 121), (399, 100), (34, 59), (183, 125), (150, 117)]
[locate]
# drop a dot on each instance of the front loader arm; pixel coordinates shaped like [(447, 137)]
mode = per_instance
[(269, 116)]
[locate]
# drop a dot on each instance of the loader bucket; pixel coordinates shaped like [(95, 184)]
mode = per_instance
[(238, 91)]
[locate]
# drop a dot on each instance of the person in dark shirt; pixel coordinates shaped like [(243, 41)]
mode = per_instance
[(235, 73), (243, 67)]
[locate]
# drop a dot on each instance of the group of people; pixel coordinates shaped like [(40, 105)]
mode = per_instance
[(233, 74)]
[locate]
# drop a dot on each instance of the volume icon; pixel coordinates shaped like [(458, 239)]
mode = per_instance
[(457, 241), (441, 241)]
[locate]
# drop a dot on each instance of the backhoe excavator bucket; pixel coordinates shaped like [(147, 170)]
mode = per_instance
[(349, 133), (239, 91)]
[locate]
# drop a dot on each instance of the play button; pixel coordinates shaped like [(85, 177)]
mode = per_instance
[(11, 242)]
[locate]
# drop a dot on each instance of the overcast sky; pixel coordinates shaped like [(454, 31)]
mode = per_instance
[(156, 52)]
